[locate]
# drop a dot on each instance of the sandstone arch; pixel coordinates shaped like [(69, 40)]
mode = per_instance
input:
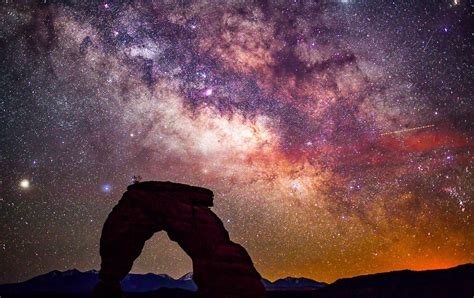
[(221, 268)]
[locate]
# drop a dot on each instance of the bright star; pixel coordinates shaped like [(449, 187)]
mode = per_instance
[(208, 92), (25, 183), (106, 187)]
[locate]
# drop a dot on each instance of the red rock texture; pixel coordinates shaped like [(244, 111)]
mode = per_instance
[(221, 268)]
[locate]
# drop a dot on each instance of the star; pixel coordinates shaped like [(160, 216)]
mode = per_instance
[(106, 188), (25, 183), (307, 120), (208, 92)]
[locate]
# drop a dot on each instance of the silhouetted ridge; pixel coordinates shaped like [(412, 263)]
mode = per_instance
[(453, 282), (74, 281)]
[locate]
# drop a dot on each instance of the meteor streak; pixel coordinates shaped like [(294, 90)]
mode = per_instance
[(407, 130)]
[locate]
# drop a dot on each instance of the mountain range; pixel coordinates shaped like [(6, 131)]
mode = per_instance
[(452, 282), (75, 281)]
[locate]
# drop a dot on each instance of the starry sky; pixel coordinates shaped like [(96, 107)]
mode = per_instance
[(337, 136)]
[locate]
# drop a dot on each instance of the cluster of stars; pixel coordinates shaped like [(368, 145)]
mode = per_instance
[(337, 137)]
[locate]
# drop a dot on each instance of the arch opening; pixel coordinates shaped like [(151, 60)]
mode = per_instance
[(162, 255)]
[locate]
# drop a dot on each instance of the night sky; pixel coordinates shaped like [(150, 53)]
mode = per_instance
[(338, 137)]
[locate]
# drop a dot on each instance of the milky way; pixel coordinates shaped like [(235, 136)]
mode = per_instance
[(337, 136)]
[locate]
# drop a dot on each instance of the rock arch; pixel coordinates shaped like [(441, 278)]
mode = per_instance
[(221, 268)]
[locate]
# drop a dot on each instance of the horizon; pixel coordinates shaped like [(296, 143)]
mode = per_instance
[(337, 136), (263, 277)]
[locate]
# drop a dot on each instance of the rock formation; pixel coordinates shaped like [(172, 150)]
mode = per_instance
[(222, 268)]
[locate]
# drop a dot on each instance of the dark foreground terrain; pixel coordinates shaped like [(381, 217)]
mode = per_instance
[(454, 282)]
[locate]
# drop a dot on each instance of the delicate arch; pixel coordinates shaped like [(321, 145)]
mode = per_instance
[(221, 268)]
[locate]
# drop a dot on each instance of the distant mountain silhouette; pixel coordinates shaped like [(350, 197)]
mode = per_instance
[(74, 281), (455, 282), (292, 283), (187, 276)]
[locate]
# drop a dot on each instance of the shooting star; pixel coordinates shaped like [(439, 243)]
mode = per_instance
[(429, 40), (407, 130)]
